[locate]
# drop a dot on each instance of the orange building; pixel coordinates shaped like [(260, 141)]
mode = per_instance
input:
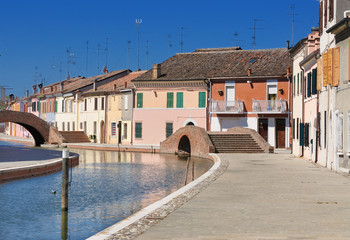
[(253, 91)]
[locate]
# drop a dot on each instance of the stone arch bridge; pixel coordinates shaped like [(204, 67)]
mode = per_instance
[(41, 131)]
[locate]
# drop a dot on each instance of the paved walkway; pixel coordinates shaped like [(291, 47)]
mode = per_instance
[(264, 196)]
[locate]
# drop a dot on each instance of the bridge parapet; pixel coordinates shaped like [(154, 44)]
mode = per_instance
[(41, 131)]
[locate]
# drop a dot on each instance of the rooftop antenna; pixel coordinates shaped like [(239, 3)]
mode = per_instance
[(138, 23), (87, 57), (98, 58), (106, 49), (170, 45), (147, 53), (181, 39), (236, 40), (293, 22), (128, 57), (254, 32), (60, 71)]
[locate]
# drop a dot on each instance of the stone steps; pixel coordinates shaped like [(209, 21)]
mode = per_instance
[(235, 143), (74, 136)]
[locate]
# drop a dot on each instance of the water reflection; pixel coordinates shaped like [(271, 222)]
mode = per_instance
[(106, 188)]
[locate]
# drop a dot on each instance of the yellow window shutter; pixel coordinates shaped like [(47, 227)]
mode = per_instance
[(325, 68), (335, 70), (330, 66), (319, 74)]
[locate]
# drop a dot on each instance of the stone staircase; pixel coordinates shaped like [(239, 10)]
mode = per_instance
[(74, 136), (235, 143)]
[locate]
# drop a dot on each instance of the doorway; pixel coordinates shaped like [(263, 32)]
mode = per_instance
[(263, 128), (280, 133)]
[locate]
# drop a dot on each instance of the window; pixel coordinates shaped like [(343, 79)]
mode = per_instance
[(126, 102), (309, 84), (125, 133), (297, 128), (272, 92), (70, 106), (96, 104), (81, 125), (102, 103), (63, 126), (56, 106), (168, 129), (314, 81), (85, 127), (294, 128), (298, 84), (113, 128), (301, 128), (325, 13), (306, 134), (73, 126), (201, 100), (139, 101), (294, 86), (138, 130), (68, 126), (34, 107), (170, 100), (331, 10), (339, 132), (63, 106), (95, 128), (179, 99), (85, 104)]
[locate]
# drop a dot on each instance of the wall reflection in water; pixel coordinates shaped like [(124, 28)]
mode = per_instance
[(106, 188)]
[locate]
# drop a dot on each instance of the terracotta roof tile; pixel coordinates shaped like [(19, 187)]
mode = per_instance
[(225, 62)]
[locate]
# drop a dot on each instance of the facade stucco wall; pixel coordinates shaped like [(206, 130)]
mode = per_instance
[(154, 122)]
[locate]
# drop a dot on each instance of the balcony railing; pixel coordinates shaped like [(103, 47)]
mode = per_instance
[(278, 106), (226, 106)]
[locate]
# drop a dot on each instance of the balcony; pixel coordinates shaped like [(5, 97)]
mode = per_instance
[(270, 106), (226, 106)]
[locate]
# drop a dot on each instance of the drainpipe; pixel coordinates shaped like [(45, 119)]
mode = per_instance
[(318, 137), (289, 95), (303, 105), (106, 119), (209, 107)]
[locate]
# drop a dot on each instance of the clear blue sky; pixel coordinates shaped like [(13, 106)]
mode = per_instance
[(35, 34)]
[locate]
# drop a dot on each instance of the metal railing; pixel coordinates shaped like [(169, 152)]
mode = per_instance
[(270, 106), (227, 106)]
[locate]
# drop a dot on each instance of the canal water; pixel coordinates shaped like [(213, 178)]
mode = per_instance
[(105, 188)]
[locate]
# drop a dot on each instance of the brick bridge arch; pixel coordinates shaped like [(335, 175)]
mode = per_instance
[(41, 131), (191, 139)]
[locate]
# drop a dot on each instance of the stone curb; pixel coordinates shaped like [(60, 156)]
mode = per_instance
[(139, 222)]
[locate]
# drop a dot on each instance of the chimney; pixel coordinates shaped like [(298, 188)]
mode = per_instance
[(61, 86), (34, 89), (156, 70), (288, 44), (40, 88), (288, 70), (94, 84), (27, 93), (249, 72)]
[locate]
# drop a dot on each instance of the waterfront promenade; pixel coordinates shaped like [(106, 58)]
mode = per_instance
[(264, 196)]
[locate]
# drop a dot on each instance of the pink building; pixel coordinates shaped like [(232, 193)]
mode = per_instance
[(166, 100)]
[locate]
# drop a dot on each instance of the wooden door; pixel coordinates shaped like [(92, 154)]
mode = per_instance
[(280, 133), (263, 126)]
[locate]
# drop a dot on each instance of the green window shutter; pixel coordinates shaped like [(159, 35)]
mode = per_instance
[(306, 143), (38, 106), (170, 100), (314, 81), (139, 100), (309, 84), (169, 129), (201, 99), (56, 106), (301, 142), (138, 130), (179, 100)]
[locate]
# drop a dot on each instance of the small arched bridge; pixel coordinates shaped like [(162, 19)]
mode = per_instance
[(190, 140), (41, 131)]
